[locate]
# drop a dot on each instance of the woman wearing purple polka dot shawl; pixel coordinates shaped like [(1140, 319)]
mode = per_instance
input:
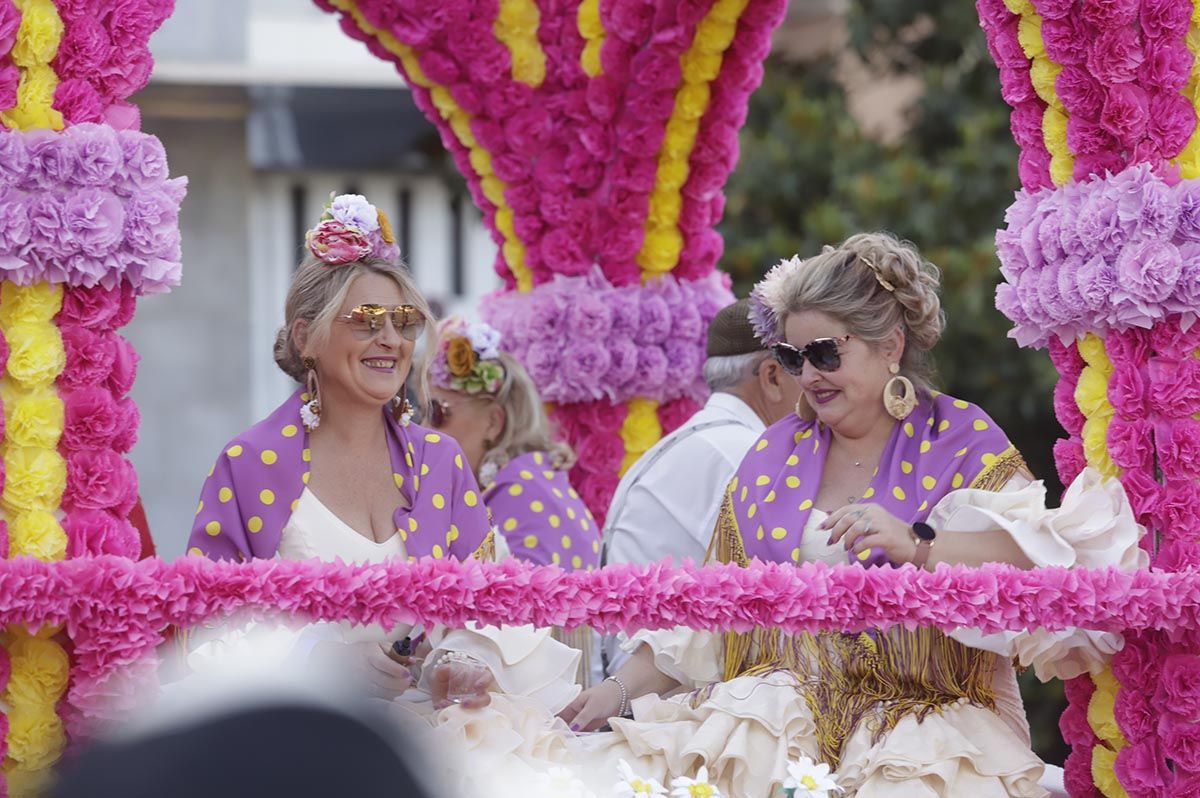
[(339, 472), (875, 469), (486, 400)]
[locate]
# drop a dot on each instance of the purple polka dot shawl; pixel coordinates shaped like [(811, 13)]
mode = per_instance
[(541, 516), (944, 444), (251, 492)]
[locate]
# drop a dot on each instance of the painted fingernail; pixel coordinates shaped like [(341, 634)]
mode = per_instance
[(829, 542), (574, 727)]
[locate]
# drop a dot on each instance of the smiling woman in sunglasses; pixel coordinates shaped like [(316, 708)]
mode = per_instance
[(339, 471), (875, 468)]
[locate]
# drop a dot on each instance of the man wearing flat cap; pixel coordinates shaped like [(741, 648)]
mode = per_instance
[(667, 503)]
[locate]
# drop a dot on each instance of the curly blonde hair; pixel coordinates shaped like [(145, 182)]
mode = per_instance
[(847, 283)]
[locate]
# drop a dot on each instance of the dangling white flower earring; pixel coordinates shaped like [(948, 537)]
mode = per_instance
[(310, 411), (402, 409)]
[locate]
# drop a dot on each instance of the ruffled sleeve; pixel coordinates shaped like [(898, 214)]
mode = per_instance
[(1094, 528), (689, 656), (524, 661)]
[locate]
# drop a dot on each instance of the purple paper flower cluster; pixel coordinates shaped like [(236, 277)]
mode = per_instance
[(1108, 254), (88, 206), (583, 339)]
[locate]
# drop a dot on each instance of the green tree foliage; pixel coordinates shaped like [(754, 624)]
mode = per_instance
[(808, 176)]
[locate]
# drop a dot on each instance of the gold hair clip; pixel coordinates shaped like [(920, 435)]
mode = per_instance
[(878, 275)]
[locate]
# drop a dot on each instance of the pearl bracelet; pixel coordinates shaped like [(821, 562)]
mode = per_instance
[(623, 707)]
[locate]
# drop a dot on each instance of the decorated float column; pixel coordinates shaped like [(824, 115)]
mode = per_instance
[(88, 222), (596, 137), (1101, 260)]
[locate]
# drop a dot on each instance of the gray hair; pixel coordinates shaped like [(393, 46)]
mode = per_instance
[(317, 293), (847, 283), (725, 372)]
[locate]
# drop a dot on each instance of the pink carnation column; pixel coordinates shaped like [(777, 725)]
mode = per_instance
[(1101, 260), (596, 137), (88, 222)]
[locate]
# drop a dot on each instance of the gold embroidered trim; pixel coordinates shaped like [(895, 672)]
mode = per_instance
[(487, 549), (874, 677), (996, 474)]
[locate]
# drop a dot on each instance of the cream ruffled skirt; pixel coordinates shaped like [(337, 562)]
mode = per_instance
[(744, 731)]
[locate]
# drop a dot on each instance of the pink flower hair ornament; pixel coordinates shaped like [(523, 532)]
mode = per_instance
[(350, 230)]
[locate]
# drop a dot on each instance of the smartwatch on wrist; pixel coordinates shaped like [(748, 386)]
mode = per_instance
[(924, 536)]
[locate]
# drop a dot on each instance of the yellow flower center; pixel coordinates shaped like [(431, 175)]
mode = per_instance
[(641, 786), (809, 782), (701, 790)]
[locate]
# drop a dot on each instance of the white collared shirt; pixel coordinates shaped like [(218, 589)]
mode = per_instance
[(667, 503)]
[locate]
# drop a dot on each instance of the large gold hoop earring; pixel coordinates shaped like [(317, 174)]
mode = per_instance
[(899, 395), (804, 410), (310, 411)]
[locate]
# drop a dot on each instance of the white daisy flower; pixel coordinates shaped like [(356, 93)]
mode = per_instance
[(699, 787), (633, 786), (808, 779)]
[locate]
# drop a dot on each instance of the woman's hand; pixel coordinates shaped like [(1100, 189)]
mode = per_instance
[(459, 679), (592, 708), (865, 526)]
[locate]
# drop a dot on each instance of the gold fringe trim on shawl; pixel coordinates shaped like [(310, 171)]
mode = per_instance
[(996, 474), (582, 640), (873, 677), (487, 549)]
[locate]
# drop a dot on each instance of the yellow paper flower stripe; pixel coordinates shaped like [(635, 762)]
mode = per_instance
[(36, 476), (1091, 394), (1044, 72), (517, 27), (640, 430), (36, 45), (701, 64), (1104, 724), (591, 28), (1188, 159), (460, 123)]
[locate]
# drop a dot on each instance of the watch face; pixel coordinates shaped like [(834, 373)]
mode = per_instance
[(923, 530)]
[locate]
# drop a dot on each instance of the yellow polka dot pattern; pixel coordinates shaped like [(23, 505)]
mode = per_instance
[(942, 446), (543, 519)]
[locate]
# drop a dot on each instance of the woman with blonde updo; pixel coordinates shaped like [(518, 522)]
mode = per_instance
[(486, 401), (876, 468)]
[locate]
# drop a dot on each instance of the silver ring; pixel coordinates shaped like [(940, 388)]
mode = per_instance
[(867, 528)]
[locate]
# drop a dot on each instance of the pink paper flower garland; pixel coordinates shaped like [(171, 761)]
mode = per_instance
[(115, 609), (104, 57), (88, 206)]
